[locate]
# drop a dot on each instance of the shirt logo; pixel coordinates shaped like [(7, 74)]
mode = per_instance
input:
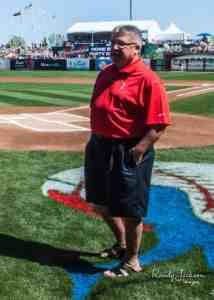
[(123, 84), (161, 115)]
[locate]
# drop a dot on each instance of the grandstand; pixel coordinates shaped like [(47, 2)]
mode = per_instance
[(88, 46)]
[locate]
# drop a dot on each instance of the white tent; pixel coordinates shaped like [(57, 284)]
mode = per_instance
[(172, 33), (150, 26)]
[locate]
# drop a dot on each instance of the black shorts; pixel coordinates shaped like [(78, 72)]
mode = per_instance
[(114, 180)]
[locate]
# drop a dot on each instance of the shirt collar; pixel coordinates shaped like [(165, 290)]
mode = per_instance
[(131, 67)]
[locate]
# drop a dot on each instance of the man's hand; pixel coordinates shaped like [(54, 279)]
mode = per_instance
[(138, 153), (152, 135)]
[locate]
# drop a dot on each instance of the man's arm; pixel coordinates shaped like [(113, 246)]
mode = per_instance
[(152, 135)]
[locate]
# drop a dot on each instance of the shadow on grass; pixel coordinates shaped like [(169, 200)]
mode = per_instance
[(45, 254)]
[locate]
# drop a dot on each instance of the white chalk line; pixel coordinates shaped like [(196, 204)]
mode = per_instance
[(67, 126), (6, 119), (75, 117), (194, 88), (72, 117), (69, 109), (56, 122), (75, 128), (196, 92)]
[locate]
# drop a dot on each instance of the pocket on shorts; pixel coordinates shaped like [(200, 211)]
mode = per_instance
[(129, 161), (148, 155)]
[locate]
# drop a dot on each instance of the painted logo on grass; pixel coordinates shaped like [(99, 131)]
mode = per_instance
[(181, 212)]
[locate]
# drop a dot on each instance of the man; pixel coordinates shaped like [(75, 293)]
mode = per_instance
[(129, 112)]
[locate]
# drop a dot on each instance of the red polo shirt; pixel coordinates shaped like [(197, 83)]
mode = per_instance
[(126, 100)]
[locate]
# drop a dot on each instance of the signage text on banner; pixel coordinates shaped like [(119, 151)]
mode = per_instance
[(78, 63)]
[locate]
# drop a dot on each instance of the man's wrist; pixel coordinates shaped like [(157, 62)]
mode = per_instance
[(143, 146)]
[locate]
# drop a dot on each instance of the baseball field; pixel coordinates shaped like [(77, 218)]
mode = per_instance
[(44, 122)]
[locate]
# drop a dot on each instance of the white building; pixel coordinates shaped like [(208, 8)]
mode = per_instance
[(172, 33)]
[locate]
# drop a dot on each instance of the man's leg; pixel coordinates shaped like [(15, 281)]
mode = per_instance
[(133, 229), (117, 226)]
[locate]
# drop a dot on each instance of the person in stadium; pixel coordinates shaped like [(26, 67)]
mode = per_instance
[(129, 113)]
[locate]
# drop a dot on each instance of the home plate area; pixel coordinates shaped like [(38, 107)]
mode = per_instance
[(59, 121)]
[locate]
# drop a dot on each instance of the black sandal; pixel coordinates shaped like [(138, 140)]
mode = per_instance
[(116, 251), (123, 270)]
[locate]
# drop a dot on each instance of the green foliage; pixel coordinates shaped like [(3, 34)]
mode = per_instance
[(17, 42)]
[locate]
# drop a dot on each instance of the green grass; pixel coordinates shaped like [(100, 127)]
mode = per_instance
[(206, 76), (29, 94), (31, 223), (43, 94), (175, 87), (150, 286), (196, 105), (85, 88), (43, 74), (196, 155)]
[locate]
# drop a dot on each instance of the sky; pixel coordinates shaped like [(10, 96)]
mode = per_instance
[(48, 16)]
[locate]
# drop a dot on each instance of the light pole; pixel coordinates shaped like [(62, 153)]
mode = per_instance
[(130, 10)]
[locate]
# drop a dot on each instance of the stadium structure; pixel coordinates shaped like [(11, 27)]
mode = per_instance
[(95, 32)]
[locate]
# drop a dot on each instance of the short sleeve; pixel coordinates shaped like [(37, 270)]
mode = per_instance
[(156, 105), (94, 91)]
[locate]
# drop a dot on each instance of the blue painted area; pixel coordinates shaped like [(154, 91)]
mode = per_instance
[(177, 229), (84, 276)]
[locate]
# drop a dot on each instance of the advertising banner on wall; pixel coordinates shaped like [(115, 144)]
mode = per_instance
[(100, 50), (101, 62), (49, 64), (4, 64), (209, 66), (77, 63)]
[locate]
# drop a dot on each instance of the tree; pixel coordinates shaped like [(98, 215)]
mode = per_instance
[(44, 42), (16, 42)]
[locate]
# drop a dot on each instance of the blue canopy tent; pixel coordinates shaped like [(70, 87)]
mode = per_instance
[(202, 34)]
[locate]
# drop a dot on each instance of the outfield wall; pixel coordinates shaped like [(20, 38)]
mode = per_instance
[(49, 64), (193, 63), (182, 63), (78, 64)]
